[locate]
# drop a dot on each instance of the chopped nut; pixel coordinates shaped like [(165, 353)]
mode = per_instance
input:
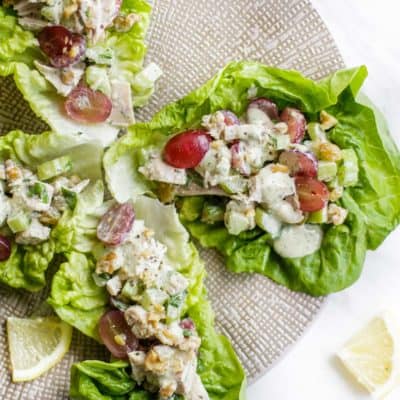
[(167, 390), (327, 121), (336, 193), (153, 362), (281, 128), (106, 263), (67, 76), (329, 152), (216, 144), (336, 214), (70, 9), (50, 217), (124, 23), (279, 168)]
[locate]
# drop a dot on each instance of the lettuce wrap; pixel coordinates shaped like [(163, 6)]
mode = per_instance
[(79, 301), (374, 210), (27, 265), (19, 49)]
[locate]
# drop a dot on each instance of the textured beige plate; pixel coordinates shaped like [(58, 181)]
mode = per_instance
[(191, 40)]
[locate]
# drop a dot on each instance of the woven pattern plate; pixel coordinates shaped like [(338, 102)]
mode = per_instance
[(191, 40)]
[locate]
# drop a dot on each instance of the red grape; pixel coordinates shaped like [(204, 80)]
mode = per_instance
[(299, 163), (62, 46), (313, 194), (115, 224), (187, 149), (5, 248), (187, 323), (266, 106), (116, 334), (230, 118), (238, 160), (296, 123), (87, 106)]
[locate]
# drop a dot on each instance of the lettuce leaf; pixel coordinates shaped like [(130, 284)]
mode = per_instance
[(27, 265), (373, 203), (78, 301), (19, 48)]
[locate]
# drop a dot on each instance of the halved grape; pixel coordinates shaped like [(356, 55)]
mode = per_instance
[(116, 224), (299, 163), (62, 46), (5, 248), (187, 149), (87, 106), (296, 123), (230, 118), (116, 334), (187, 323), (313, 194), (262, 104)]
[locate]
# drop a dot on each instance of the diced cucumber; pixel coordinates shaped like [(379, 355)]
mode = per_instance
[(268, 222), (282, 142), (316, 132), (18, 222), (236, 222), (52, 168), (153, 296), (212, 213), (71, 197), (318, 217), (348, 170), (132, 290), (327, 170), (39, 189), (234, 184)]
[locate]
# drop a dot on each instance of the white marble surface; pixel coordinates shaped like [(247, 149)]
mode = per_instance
[(366, 32)]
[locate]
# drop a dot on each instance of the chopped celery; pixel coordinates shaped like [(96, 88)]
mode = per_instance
[(327, 170), (234, 184), (173, 313), (268, 222), (18, 222), (132, 290), (282, 142), (316, 132), (191, 207), (153, 296), (52, 168), (71, 197), (212, 213), (318, 217), (146, 77), (39, 189), (348, 170)]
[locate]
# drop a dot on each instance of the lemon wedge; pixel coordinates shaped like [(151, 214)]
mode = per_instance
[(36, 345), (372, 356)]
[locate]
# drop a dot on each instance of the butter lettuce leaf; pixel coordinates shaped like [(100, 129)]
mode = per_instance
[(19, 48), (78, 301), (373, 202), (27, 265)]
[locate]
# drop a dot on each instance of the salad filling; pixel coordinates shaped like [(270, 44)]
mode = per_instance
[(78, 59), (271, 169), (148, 294), (31, 203)]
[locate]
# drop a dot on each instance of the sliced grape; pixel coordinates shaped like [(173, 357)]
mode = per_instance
[(116, 334), (62, 46), (313, 194), (238, 158), (299, 163), (296, 123), (5, 248), (116, 224), (230, 118), (187, 323), (262, 109), (187, 149), (87, 106)]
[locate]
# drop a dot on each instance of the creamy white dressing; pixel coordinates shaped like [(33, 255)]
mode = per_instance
[(298, 240)]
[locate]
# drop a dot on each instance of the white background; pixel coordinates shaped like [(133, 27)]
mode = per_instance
[(366, 32)]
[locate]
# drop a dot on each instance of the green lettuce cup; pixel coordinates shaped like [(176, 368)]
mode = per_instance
[(371, 201)]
